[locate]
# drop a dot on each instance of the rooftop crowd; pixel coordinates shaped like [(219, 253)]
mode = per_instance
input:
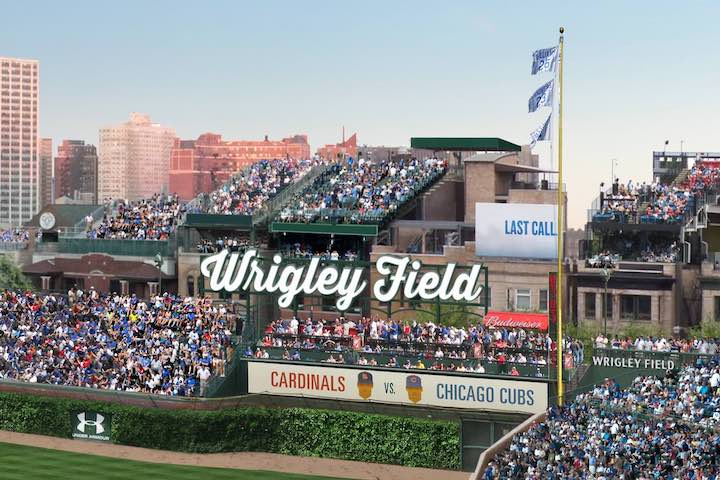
[(305, 250), (662, 203), (355, 190), (655, 429), (148, 219), (635, 249), (249, 191), (669, 205), (15, 236), (168, 345), (231, 243)]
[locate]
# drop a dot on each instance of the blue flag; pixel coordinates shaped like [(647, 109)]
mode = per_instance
[(544, 60), (543, 97), (541, 133)]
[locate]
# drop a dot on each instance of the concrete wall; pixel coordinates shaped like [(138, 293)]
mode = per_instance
[(532, 196), (439, 203), (479, 186), (505, 276), (662, 309)]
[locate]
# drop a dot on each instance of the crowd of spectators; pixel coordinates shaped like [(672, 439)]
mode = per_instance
[(354, 192), (148, 219), (451, 348), (233, 244), (621, 201), (251, 189), (168, 345), (658, 428), (668, 205), (702, 178), (629, 248), (667, 254), (603, 259), (304, 250), (661, 203), (14, 236), (705, 346)]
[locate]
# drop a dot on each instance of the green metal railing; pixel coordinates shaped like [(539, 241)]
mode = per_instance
[(138, 248), (351, 357)]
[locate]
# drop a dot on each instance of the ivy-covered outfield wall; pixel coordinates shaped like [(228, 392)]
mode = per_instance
[(345, 435)]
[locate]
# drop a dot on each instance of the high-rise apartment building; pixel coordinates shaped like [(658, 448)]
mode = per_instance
[(76, 171), (134, 159), (19, 166), (204, 164), (46, 172)]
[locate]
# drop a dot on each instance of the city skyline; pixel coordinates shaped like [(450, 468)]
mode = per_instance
[(391, 73)]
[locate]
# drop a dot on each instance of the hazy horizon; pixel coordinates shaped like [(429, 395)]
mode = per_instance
[(635, 74)]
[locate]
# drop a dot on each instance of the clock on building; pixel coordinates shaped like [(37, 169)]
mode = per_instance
[(47, 221)]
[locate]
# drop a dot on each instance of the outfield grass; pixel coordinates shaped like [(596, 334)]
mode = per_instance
[(18, 462)]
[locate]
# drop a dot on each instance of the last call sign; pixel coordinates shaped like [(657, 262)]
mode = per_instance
[(232, 271)]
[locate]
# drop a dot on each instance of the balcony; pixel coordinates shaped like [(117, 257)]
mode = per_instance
[(542, 185), (119, 247)]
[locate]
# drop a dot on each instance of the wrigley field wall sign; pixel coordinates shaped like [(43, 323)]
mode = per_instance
[(400, 275)]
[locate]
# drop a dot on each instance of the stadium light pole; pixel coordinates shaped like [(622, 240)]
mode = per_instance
[(606, 272), (560, 201), (159, 264)]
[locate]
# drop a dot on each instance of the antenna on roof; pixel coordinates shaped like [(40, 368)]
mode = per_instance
[(343, 140)]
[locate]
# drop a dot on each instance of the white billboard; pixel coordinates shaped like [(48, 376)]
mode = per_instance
[(518, 230), (403, 386)]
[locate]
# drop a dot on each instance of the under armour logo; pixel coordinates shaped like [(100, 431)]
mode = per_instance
[(97, 423)]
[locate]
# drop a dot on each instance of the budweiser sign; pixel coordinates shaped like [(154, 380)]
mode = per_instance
[(533, 321)]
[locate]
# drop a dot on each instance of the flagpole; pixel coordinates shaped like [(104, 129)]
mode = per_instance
[(560, 201)]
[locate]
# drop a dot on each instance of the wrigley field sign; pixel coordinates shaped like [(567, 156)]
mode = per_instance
[(236, 271), (637, 363)]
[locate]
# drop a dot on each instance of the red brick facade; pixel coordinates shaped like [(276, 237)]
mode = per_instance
[(204, 164), (346, 148)]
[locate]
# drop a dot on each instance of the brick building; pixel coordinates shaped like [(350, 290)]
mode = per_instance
[(76, 172), (339, 150), (204, 164)]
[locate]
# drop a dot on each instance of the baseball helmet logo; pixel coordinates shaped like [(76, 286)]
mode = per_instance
[(413, 386), (365, 385)]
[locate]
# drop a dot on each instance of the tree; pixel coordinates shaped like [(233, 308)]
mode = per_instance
[(11, 278), (450, 315)]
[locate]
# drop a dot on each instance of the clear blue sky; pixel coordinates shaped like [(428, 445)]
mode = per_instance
[(637, 73)]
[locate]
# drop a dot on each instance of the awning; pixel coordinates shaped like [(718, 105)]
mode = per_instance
[(535, 321)]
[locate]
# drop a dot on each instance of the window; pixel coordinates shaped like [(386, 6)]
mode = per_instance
[(543, 300), (522, 299), (590, 306), (191, 286), (635, 307)]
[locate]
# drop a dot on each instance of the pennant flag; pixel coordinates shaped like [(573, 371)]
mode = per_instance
[(541, 133), (543, 97), (544, 60)]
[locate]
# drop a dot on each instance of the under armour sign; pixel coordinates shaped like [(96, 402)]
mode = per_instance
[(91, 426)]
